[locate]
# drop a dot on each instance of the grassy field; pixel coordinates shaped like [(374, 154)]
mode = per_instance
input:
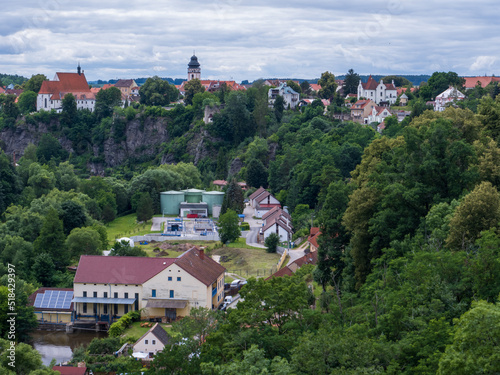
[(135, 331), (127, 226)]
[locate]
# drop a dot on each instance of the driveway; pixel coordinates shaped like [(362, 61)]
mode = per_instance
[(255, 225)]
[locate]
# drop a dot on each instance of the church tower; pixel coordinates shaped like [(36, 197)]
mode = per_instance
[(194, 70)]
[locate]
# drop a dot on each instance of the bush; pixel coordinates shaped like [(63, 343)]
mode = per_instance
[(272, 242), (122, 324), (245, 226)]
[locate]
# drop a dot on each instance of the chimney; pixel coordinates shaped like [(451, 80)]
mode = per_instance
[(201, 253)]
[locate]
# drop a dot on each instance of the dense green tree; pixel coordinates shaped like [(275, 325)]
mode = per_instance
[(84, 241), (66, 178), (41, 179), (106, 100), (51, 239), (398, 81), (279, 106), (294, 86), (69, 110), (123, 249), (10, 185), (27, 102), (351, 82), (272, 242), (256, 174), (191, 88), (72, 215), (44, 269), (144, 207), (157, 92), (439, 82), (233, 198), (328, 85), (34, 83), (9, 108), (49, 148), (479, 211), (229, 229)]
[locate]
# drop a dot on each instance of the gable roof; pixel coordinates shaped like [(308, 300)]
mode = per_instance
[(256, 193), (158, 331), (99, 269), (315, 86), (42, 290), (309, 258), (314, 233), (285, 271), (371, 84), (471, 82), (270, 212), (125, 83), (360, 104), (198, 264), (70, 82), (278, 221)]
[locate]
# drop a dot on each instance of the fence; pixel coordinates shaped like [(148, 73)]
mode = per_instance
[(190, 237), (262, 272)]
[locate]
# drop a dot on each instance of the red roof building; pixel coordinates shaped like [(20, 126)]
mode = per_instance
[(69, 370), (378, 92), (471, 82)]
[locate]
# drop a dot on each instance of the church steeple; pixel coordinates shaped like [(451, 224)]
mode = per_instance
[(79, 69), (194, 68)]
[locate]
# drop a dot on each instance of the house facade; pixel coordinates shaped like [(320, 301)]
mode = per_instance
[(277, 221), (378, 92), (361, 110), (378, 114), (52, 92), (126, 86), (106, 288), (447, 97), (152, 342), (290, 97)]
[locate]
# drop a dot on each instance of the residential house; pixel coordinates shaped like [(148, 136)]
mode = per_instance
[(126, 86), (312, 240), (378, 92), (52, 92), (446, 98), (361, 110), (315, 87), (289, 270), (265, 202), (290, 97), (152, 342), (254, 196), (52, 305), (277, 221), (471, 82), (378, 114), (306, 102), (106, 288), (381, 127), (402, 115), (135, 90)]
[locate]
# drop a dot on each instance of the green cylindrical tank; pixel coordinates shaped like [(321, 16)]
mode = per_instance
[(211, 198), (193, 195), (170, 201)]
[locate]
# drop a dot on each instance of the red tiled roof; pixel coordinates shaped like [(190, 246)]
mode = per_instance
[(360, 104), (285, 271), (310, 258), (314, 233), (315, 86), (256, 193), (68, 370), (119, 270), (2, 90), (69, 82), (471, 82), (200, 265), (124, 83), (270, 212), (219, 182), (389, 86), (371, 84)]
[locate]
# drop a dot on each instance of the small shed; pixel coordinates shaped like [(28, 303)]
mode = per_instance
[(152, 342)]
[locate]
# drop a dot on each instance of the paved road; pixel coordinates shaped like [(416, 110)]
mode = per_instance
[(297, 253), (255, 225)]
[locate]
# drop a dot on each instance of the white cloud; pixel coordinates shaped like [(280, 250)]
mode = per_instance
[(483, 63)]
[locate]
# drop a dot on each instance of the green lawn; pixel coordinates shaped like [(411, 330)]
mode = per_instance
[(135, 331), (126, 226)]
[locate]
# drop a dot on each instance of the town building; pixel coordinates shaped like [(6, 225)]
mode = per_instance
[(194, 68), (381, 93), (312, 240), (52, 306), (361, 110), (289, 270), (471, 82), (151, 343), (52, 92), (277, 221), (446, 98), (290, 97), (378, 114), (107, 287), (126, 86)]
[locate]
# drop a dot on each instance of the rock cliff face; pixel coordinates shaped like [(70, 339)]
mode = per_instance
[(142, 141)]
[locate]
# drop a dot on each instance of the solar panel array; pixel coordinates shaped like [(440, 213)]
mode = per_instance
[(54, 299)]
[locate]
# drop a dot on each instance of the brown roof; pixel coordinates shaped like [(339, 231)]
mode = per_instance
[(199, 265), (159, 333), (15, 92), (256, 193), (119, 270), (314, 233), (471, 82), (68, 370), (219, 182), (371, 84), (360, 104), (310, 258), (285, 271), (262, 196), (277, 221), (69, 82), (124, 83), (270, 212)]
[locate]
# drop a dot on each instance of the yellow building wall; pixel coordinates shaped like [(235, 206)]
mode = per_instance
[(53, 316)]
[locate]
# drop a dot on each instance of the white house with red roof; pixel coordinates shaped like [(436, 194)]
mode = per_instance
[(265, 202), (378, 114), (277, 221), (106, 288), (378, 92), (471, 82), (52, 92), (361, 110), (447, 97), (151, 343)]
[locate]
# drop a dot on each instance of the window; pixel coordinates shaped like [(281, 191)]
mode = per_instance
[(125, 309), (115, 295), (116, 309), (85, 294), (95, 294), (153, 292), (170, 278), (145, 342), (153, 342), (136, 303), (126, 295), (85, 307), (45, 102), (178, 278), (105, 294), (171, 294), (105, 310)]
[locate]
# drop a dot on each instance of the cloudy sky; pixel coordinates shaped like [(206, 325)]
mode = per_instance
[(236, 39)]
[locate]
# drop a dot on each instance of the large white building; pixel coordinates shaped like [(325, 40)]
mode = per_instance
[(106, 288), (52, 92), (448, 96), (378, 92)]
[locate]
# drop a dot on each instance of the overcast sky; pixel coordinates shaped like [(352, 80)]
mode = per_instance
[(236, 39)]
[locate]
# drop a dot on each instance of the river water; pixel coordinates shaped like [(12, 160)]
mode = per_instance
[(60, 345)]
